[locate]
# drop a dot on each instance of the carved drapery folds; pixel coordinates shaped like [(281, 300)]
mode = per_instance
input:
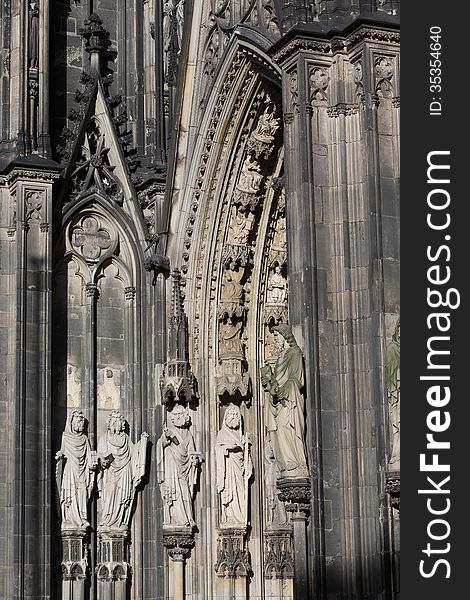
[(121, 466), (285, 411), (75, 467), (177, 464), (392, 369), (234, 470)]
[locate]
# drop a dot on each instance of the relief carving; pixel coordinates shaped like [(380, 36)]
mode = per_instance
[(90, 239), (383, 77), (277, 287), (34, 202), (241, 224), (318, 80)]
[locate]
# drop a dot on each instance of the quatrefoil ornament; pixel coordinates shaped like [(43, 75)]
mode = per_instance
[(90, 238)]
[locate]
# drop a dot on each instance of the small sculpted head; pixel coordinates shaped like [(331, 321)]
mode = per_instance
[(116, 423), (233, 417), (77, 421), (286, 332), (179, 416)]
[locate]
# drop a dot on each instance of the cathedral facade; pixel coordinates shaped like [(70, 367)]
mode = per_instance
[(199, 275)]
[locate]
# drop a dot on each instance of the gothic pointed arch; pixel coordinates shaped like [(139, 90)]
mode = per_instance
[(229, 241)]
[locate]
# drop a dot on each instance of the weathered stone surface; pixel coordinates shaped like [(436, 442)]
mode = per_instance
[(264, 170)]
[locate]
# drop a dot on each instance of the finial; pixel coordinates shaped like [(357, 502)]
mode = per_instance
[(95, 34)]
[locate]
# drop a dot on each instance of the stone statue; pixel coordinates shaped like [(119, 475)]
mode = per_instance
[(232, 289), (179, 15), (77, 462), (177, 463), (230, 339), (267, 126), (234, 469), (122, 468), (241, 223), (250, 176), (285, 417), (33, 45), (392, 369), (277, 287)]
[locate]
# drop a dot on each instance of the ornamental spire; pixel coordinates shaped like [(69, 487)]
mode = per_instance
[(96, 37)]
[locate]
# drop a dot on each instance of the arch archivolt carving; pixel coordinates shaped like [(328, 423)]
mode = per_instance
[(235, 276)]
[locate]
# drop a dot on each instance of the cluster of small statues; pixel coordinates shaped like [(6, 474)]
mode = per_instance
[(119, 465)]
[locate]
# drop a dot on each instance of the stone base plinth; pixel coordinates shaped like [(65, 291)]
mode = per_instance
[(233, 558)]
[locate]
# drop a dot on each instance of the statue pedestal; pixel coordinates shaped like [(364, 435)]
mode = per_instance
[(279, 563), (296, 494), (113, 569), (233, 562), (74, 564), (178, 541)]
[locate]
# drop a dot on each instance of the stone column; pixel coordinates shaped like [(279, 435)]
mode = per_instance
[(341, 164), (29, 412), (178, 542), (296, 493)]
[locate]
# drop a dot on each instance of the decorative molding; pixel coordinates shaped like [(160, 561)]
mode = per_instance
[(233, 558), (383, 69), (74, 565), (348, 43), (34, 203), (30, 175), (392, 487), (343, 109), (278, 554), (178, 543), (318, 83), (296, 493)]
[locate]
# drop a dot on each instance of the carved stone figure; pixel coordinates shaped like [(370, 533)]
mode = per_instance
[(177, 463), (33, 46), (267, 126), (234, 469), (230, 339), (241, 223), (77, 462), (277, 287), (392, 367), (232, 289), (250, 176), (122, 468), (285, 417), (179, 16)]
